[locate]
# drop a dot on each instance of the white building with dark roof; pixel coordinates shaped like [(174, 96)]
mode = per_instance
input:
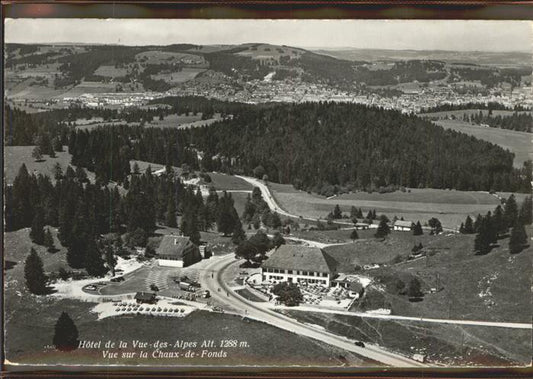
[(297, 264), (403, 225), (177, 251)]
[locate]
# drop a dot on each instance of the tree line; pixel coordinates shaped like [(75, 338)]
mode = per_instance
[(522, 122), (491, 105), (85, 213), (315, 147), (496, 225)]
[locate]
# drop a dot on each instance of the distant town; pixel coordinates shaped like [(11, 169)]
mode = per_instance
[(263, 205)]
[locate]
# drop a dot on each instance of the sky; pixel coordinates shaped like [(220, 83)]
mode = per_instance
[(461, 35)]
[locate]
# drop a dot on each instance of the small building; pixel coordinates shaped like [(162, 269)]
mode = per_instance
[(403, 225), (356, 289), (361, 226), (177, 251), (299, 264), (349, 282), (145, 297)]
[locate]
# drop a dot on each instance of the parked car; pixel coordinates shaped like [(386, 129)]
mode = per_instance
[(359, 343)]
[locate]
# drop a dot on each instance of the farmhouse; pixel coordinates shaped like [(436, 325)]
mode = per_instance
[(177, 251), (295, 263), (403, 226)]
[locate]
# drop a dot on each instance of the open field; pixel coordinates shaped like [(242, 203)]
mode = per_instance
[(518, 143), (450, 207), (228, 182), (328, 236), (48, 71), (17, 247), (27, 90), (239, 199), (369, 250), (492, 287), (441, 344), (90, 87), (182, 121), (187, 73), (15, 156), (143, 165), (423, 195)]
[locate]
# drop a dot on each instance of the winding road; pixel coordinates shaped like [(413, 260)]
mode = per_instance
[(274, 206), (211, 279)]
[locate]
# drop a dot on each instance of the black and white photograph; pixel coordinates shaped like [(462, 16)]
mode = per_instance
[(267, 193)]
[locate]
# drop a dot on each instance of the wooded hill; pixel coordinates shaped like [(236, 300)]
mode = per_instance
[(315, 146), (247, 61)]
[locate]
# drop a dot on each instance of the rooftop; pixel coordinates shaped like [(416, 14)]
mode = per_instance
[(174, 245), (403, 223), (304, 258)]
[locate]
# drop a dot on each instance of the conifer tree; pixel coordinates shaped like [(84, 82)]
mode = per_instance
[(477, 223), (482, 240), (383, 229), (354, 236), (66, 334), (468, 226), (80, 237), (194, 233), (337, 213), (34, 274), (94, 264), (170, 217), (37, 228), (492, 233), (278, 240), (49, 240), (526, 211), (225, 220), (414, 288), (110, 259), (276, 221), (238, 233), (510, 211), (23, 210), (499, 221), (518, 238), (417, 229)]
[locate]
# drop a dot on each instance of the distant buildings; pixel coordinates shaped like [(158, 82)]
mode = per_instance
[(403, 226), (177, 251), (298, 264)]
